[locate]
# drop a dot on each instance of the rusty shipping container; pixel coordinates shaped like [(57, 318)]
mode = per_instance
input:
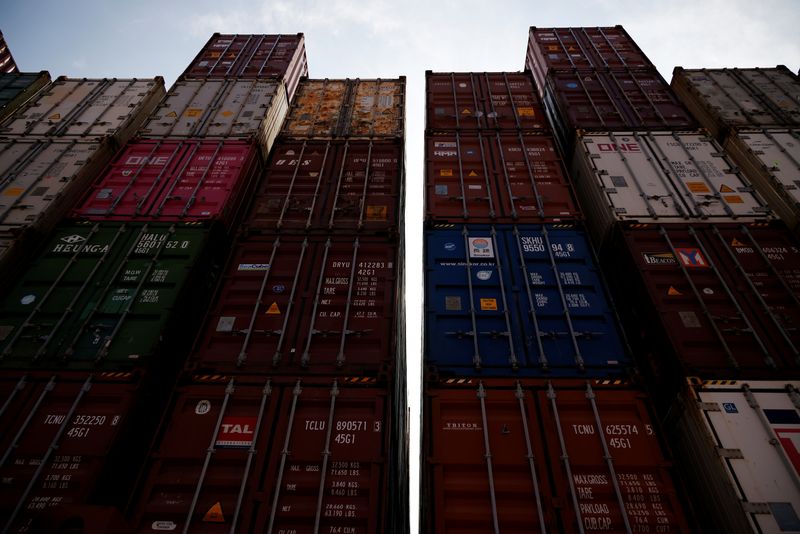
[(351, 108), (713, 301), (771, 160), (737, 444), (469, 101), (273, 455), (258, 56), (106, 297), (86, 109), (602, 48), (220, 109), (611, 101), (660, 177), (40, 181), (565, 457), (501, 177), (725, 100), (303, 305), (71, 441), (332, 185), (174, 180), (17, 87)]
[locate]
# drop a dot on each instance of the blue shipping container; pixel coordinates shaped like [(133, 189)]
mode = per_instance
[(517, 300)]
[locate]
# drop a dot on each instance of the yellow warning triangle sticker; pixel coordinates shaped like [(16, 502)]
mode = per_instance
[(214, 514), (171, 114), (466, 112), (273, 309), (725, 189), (672, 291), (55, 117), (736, 243), (472, 173)]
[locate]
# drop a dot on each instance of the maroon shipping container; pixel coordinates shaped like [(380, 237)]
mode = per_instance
[(555, 49), (173, 181), (66, 439), (307, 305), (270, 456), (716, 301), (330, 185), (468, 101), (529, 456), (500, 177), (251, 56)]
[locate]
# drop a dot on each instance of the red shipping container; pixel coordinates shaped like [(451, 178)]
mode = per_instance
[(330, 185), (529, 456), (173, 181), (303, 305), (251, 56), (469, 101), (555, 49), (722, 301), (496, 178), (271, 456), (66, 439)]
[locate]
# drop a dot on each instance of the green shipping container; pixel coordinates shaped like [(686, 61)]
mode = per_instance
[(101, 296)]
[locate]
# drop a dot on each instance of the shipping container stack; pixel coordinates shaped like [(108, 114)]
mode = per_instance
[(81, 310), (7, 63), (290, 413), (531, 422), (704, 275)]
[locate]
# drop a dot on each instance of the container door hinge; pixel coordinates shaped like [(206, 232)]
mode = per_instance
[(756, 508), (730, 453)]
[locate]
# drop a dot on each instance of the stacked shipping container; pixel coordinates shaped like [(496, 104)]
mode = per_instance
[(526, 397), (705, 275)]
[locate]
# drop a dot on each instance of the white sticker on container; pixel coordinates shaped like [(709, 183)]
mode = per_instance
[(708, 291), (483, 275), (253, 266), (163, 525), (480, 247), (27, 299), (450, 247), (203, 407)]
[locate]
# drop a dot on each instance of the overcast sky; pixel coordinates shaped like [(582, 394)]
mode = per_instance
[(348, 38)]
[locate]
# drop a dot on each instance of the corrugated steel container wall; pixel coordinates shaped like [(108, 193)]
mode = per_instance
[(660, 177), (40, 181), (327, 109), (86, 109), (227, 56), (101, 297), (271, 456), (173, 180), (737, 443), (468, 101), (771, 160), (729, 99), (715, 301), (68, 439), (331, 185), (16, 88), (529, 456), (7, 63), (496, 178), (611, 101), (558, 49), (220, 109), (307, 305), (522, 300)]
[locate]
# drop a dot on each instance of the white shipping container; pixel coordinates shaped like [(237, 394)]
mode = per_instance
[(220, 109), (739, 446), (86, 109), (659, 177), (726, 99), (39, 183), (771, 160)]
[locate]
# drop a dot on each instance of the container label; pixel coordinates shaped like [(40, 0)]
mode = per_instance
[(452, 303), (525, 112), (253, 266), (446, 172), (484, 275), (480, 247), (691, 257), (729, 407), (163, 525), (689, 319), (697, 187), (733, 199), (236, 432), (377, 213), (203, 407), (214, 514), (658, 258), (489, 304)]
